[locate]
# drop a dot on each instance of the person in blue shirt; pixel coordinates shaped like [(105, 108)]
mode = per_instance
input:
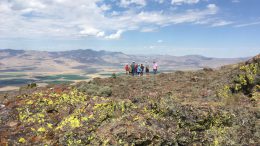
[(139, 70)]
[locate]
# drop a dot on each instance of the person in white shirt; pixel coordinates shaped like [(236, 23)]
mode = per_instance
[(155, 67)]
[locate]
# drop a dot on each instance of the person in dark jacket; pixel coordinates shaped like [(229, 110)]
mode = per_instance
[(142, 69), (133, 68), (147, 68)]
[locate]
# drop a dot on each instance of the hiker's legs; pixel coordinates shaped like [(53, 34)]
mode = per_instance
[(154, 71)]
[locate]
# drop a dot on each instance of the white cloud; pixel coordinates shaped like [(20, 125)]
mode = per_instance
[(221, 23), (69, 19), (214, 22), (126, 3), (159, 1), (148, 29), (248, 24), (33, 4), (180, 2), (149, 17), (116, 35), (4, 8), (105, 7), (212, 6), (89, 31)]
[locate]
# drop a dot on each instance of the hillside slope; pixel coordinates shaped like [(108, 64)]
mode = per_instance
[(204, 107)]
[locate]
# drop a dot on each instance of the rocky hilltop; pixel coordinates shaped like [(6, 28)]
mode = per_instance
[(204, 107)]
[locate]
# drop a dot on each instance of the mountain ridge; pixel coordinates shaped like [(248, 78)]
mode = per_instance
[(116, 52)]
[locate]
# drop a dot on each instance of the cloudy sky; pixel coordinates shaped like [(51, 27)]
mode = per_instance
[(219, 28)]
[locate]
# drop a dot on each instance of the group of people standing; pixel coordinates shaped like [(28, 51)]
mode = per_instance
[(139, 69)]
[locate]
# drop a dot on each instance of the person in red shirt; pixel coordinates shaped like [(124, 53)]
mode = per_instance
[(126, 69), (136, 66)]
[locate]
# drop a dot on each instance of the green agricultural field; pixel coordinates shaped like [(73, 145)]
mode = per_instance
[(20, 79), (15, 82), (11, 75), (63, 76)]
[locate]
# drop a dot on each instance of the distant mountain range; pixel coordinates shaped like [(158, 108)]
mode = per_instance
[(94, 61)]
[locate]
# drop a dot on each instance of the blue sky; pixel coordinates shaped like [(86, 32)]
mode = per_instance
[(215, 28)]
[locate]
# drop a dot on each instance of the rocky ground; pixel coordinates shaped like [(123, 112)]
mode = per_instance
[(205, 107)]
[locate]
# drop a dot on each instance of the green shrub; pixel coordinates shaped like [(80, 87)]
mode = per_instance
[(105, 91), (94, 89), (247, 79), (31, 85), (113, 76)]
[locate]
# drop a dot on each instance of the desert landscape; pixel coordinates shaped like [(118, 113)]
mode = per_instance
[(19, 67), (129, 73)]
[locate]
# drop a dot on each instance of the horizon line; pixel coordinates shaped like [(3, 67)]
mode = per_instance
[(141, 54)]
